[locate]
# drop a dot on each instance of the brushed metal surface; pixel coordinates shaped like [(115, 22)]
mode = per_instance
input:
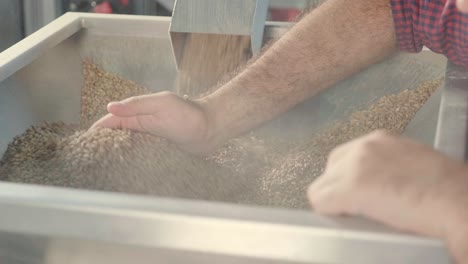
[(423, 126), (72, 222), (452, 128), (218, 16), (425, 120), (10, 23), (38, 13)]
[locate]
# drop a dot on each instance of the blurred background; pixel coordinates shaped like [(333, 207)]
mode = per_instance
[(20, 18)]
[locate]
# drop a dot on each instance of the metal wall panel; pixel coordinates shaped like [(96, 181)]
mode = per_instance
[(10, 23), (38, 13)]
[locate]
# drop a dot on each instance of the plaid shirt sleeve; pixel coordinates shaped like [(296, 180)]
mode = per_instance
[(436, 24)]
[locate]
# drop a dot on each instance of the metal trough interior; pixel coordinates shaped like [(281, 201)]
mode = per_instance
[(41, 80)]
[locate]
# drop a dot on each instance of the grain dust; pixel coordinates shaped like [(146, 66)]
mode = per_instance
[(248, 170), (285, 184), (207, 58)]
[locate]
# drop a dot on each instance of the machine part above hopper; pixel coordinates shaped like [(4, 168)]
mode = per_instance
[(218, 17)]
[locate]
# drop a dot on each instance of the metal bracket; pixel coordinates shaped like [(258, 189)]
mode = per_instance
[(452, 127)]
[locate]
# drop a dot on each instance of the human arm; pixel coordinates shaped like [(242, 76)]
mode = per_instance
[(329, 44), (393, 180), (400, 183)]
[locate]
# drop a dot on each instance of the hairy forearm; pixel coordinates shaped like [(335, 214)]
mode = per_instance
[(336, 40)]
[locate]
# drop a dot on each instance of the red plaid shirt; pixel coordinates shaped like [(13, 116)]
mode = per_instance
[(436, 24)]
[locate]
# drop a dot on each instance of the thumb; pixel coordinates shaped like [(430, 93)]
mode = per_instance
[(140, 105), (462, 5)]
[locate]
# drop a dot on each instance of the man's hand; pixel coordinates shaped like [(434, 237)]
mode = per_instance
[(400, 183), (163, 114), (463, 5)]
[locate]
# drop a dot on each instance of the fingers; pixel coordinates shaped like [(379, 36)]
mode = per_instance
[(458, 246), (108, 121), (331, 193), (462, 5), (321, 196), (338, 153), (112, 121), (333, 199), (140, 105), (322, 193)]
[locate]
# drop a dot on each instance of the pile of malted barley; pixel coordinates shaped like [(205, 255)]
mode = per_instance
[(297, 169), (68, 155), (115, 160), (245, 170)]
